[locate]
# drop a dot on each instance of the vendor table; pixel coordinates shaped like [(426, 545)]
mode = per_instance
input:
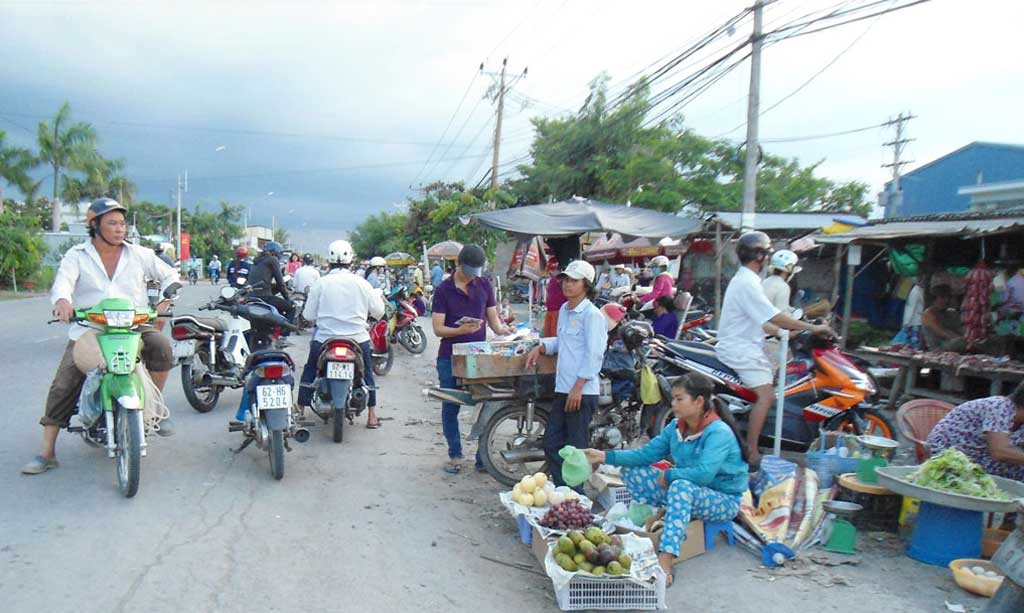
[(951, 378)]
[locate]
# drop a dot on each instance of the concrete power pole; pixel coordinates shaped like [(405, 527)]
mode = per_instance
[(753, 113), (500, 97), (894, 202), (178, 248)]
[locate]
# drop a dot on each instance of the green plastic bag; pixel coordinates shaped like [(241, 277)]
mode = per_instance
[(650, 392), (575, 467), (906, 262), (639, 512)]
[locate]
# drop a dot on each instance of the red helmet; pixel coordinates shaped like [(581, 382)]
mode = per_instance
[(242, 252), (613, 314)]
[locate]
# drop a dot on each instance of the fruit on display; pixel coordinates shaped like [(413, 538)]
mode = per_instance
[(568, 515), (577, 551), (535, 491)]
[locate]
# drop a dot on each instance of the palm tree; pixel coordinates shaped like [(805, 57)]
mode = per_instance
[(65, 146), (15, 162)]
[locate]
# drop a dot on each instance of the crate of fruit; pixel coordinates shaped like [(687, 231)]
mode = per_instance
[(489, 360), (619, 574)]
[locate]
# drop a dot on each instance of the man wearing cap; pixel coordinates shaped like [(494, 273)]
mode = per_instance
[(104, 267), (461, 304), (580, 343), (619, 278)]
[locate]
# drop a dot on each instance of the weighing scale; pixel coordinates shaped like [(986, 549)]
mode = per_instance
[(878, 450), (841, 534)]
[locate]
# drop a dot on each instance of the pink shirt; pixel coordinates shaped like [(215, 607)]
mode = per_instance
[(663, 286), (555, 298)]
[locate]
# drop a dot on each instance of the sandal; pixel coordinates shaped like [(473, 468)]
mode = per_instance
[(374, 426), (453, 466)]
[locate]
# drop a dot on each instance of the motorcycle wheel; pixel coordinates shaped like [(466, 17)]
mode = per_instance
[(128, 435), (339, 425), (381, 365), (504, 432), (662, 416), (276, 452), (874, 423), (413, 339), (202, 399)]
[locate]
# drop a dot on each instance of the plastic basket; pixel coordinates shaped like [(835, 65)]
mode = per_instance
[(828, 466), (583, 593), (613, 495)]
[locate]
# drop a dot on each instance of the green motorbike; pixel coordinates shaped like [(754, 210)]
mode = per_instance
[(112, 417)]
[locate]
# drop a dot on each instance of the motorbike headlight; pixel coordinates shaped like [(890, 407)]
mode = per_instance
[(119, 319)]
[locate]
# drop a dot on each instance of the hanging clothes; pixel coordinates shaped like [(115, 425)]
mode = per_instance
[(975, 309)]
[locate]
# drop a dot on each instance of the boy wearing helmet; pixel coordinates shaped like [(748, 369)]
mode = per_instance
[(745, 312), (375, 275), (239, 268), (664, 285), (340, 303), (105, 266), (781, 268), (306, 275)]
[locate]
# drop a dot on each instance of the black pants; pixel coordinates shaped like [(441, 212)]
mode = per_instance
[(564, 428), (283, 306)]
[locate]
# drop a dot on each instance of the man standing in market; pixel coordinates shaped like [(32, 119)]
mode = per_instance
[(745, 312), (580, 343), (461, 304)]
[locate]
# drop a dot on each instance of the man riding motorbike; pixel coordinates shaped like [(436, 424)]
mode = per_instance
[(664, 284), (266, 271), (341, 304), (104, 267), (376, 275), (745, 313), (215, 270), (239, 268), (306, 276)]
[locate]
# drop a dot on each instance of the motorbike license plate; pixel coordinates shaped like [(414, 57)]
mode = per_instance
[(184, 349), (341, 370), (273, 397)]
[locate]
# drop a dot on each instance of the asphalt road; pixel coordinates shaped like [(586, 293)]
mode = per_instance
[(371, 524)]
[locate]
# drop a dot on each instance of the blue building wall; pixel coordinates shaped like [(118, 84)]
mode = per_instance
[(932, 188)]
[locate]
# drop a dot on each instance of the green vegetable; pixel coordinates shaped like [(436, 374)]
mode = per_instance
[(952, 471)]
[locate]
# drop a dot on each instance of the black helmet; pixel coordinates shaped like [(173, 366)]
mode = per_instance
[(102, 206), (753, 245), (273, 248), (634, 333), (307, 259)]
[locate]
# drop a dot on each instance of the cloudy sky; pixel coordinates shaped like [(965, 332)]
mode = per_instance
[(335, 107)]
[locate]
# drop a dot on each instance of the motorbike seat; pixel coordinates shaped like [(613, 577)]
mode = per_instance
[(692, 315), (212, 323), (701, 353), (267, 355)]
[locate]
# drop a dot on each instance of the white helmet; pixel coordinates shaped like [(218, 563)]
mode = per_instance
[(660, 261), (340, 252), (377, 261), (784, 260)]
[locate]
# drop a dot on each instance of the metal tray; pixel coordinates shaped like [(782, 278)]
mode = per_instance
[(895, 479)]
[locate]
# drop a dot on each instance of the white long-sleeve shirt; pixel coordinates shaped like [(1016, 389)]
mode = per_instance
[(82, 279), (340, 303), (305, 277)]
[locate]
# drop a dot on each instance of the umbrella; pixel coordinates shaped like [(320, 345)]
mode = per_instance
[(448, 250), (579, 215), (399, 258)]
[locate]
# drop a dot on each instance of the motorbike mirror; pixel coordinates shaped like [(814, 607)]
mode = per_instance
[(172, 290), (228, 293)]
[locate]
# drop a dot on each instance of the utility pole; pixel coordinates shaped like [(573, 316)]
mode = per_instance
[(500, 97), (753, 112), (178, 249), (894, 201)]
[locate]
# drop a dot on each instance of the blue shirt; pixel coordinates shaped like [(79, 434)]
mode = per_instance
[(374, 279), (666, 324), (711, 459), (436, 275), (580, 344), (455, 304)]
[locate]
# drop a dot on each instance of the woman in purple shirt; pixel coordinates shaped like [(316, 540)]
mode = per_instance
[(990, 431)]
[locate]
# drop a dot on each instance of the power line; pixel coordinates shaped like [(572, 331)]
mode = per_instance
[(794, 139), (449, 125), (853, 20)]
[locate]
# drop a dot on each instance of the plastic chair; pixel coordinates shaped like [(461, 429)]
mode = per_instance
[(713, 528), (915, 420)]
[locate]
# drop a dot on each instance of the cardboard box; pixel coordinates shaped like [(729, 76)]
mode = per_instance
[(539, 547), (692, 547)]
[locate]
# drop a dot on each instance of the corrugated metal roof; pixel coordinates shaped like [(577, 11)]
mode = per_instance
[(767, 222), (966, 224)]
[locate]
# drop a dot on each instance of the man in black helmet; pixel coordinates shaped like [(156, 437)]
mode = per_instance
[(747, 315)]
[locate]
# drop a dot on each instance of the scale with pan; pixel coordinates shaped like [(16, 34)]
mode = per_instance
[(840, 535)]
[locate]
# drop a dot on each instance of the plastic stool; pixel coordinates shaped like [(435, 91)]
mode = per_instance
[(944, 534), (713, 528)]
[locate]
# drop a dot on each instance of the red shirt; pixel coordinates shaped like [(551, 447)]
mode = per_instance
[(555, 298)]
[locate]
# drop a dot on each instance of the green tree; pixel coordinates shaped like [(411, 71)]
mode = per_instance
[(381, 234), (21, 247), (15, 164), (65, 146), (211, 232), (281, 235), (152, 218)]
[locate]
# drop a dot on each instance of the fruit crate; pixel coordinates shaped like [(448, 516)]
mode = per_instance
[(613, 495), (607, 594)]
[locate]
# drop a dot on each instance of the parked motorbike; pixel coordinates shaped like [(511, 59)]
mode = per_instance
[(114, 418), (215, 276), (383, 357), (299, 300), (193, 276), (339, 390), (826, 391), (404, 329)]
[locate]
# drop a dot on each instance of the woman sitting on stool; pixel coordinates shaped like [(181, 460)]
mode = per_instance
[(710, 466)]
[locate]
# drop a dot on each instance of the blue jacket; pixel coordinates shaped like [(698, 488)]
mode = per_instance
[(712, 459)]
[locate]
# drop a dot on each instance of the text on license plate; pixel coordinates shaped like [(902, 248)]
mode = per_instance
[(341, 370), (273, 397), (183, 349)]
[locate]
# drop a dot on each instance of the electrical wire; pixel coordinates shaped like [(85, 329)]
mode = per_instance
[(794, 139), (449, 125)]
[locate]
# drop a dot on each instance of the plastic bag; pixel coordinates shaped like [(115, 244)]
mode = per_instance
[(575, 467), (650, 392), (639, 512), (90, 407)]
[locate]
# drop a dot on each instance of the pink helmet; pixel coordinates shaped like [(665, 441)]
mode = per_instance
[(613, 314)]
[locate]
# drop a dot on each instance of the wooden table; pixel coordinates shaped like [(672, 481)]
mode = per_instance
[(951, 378)]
